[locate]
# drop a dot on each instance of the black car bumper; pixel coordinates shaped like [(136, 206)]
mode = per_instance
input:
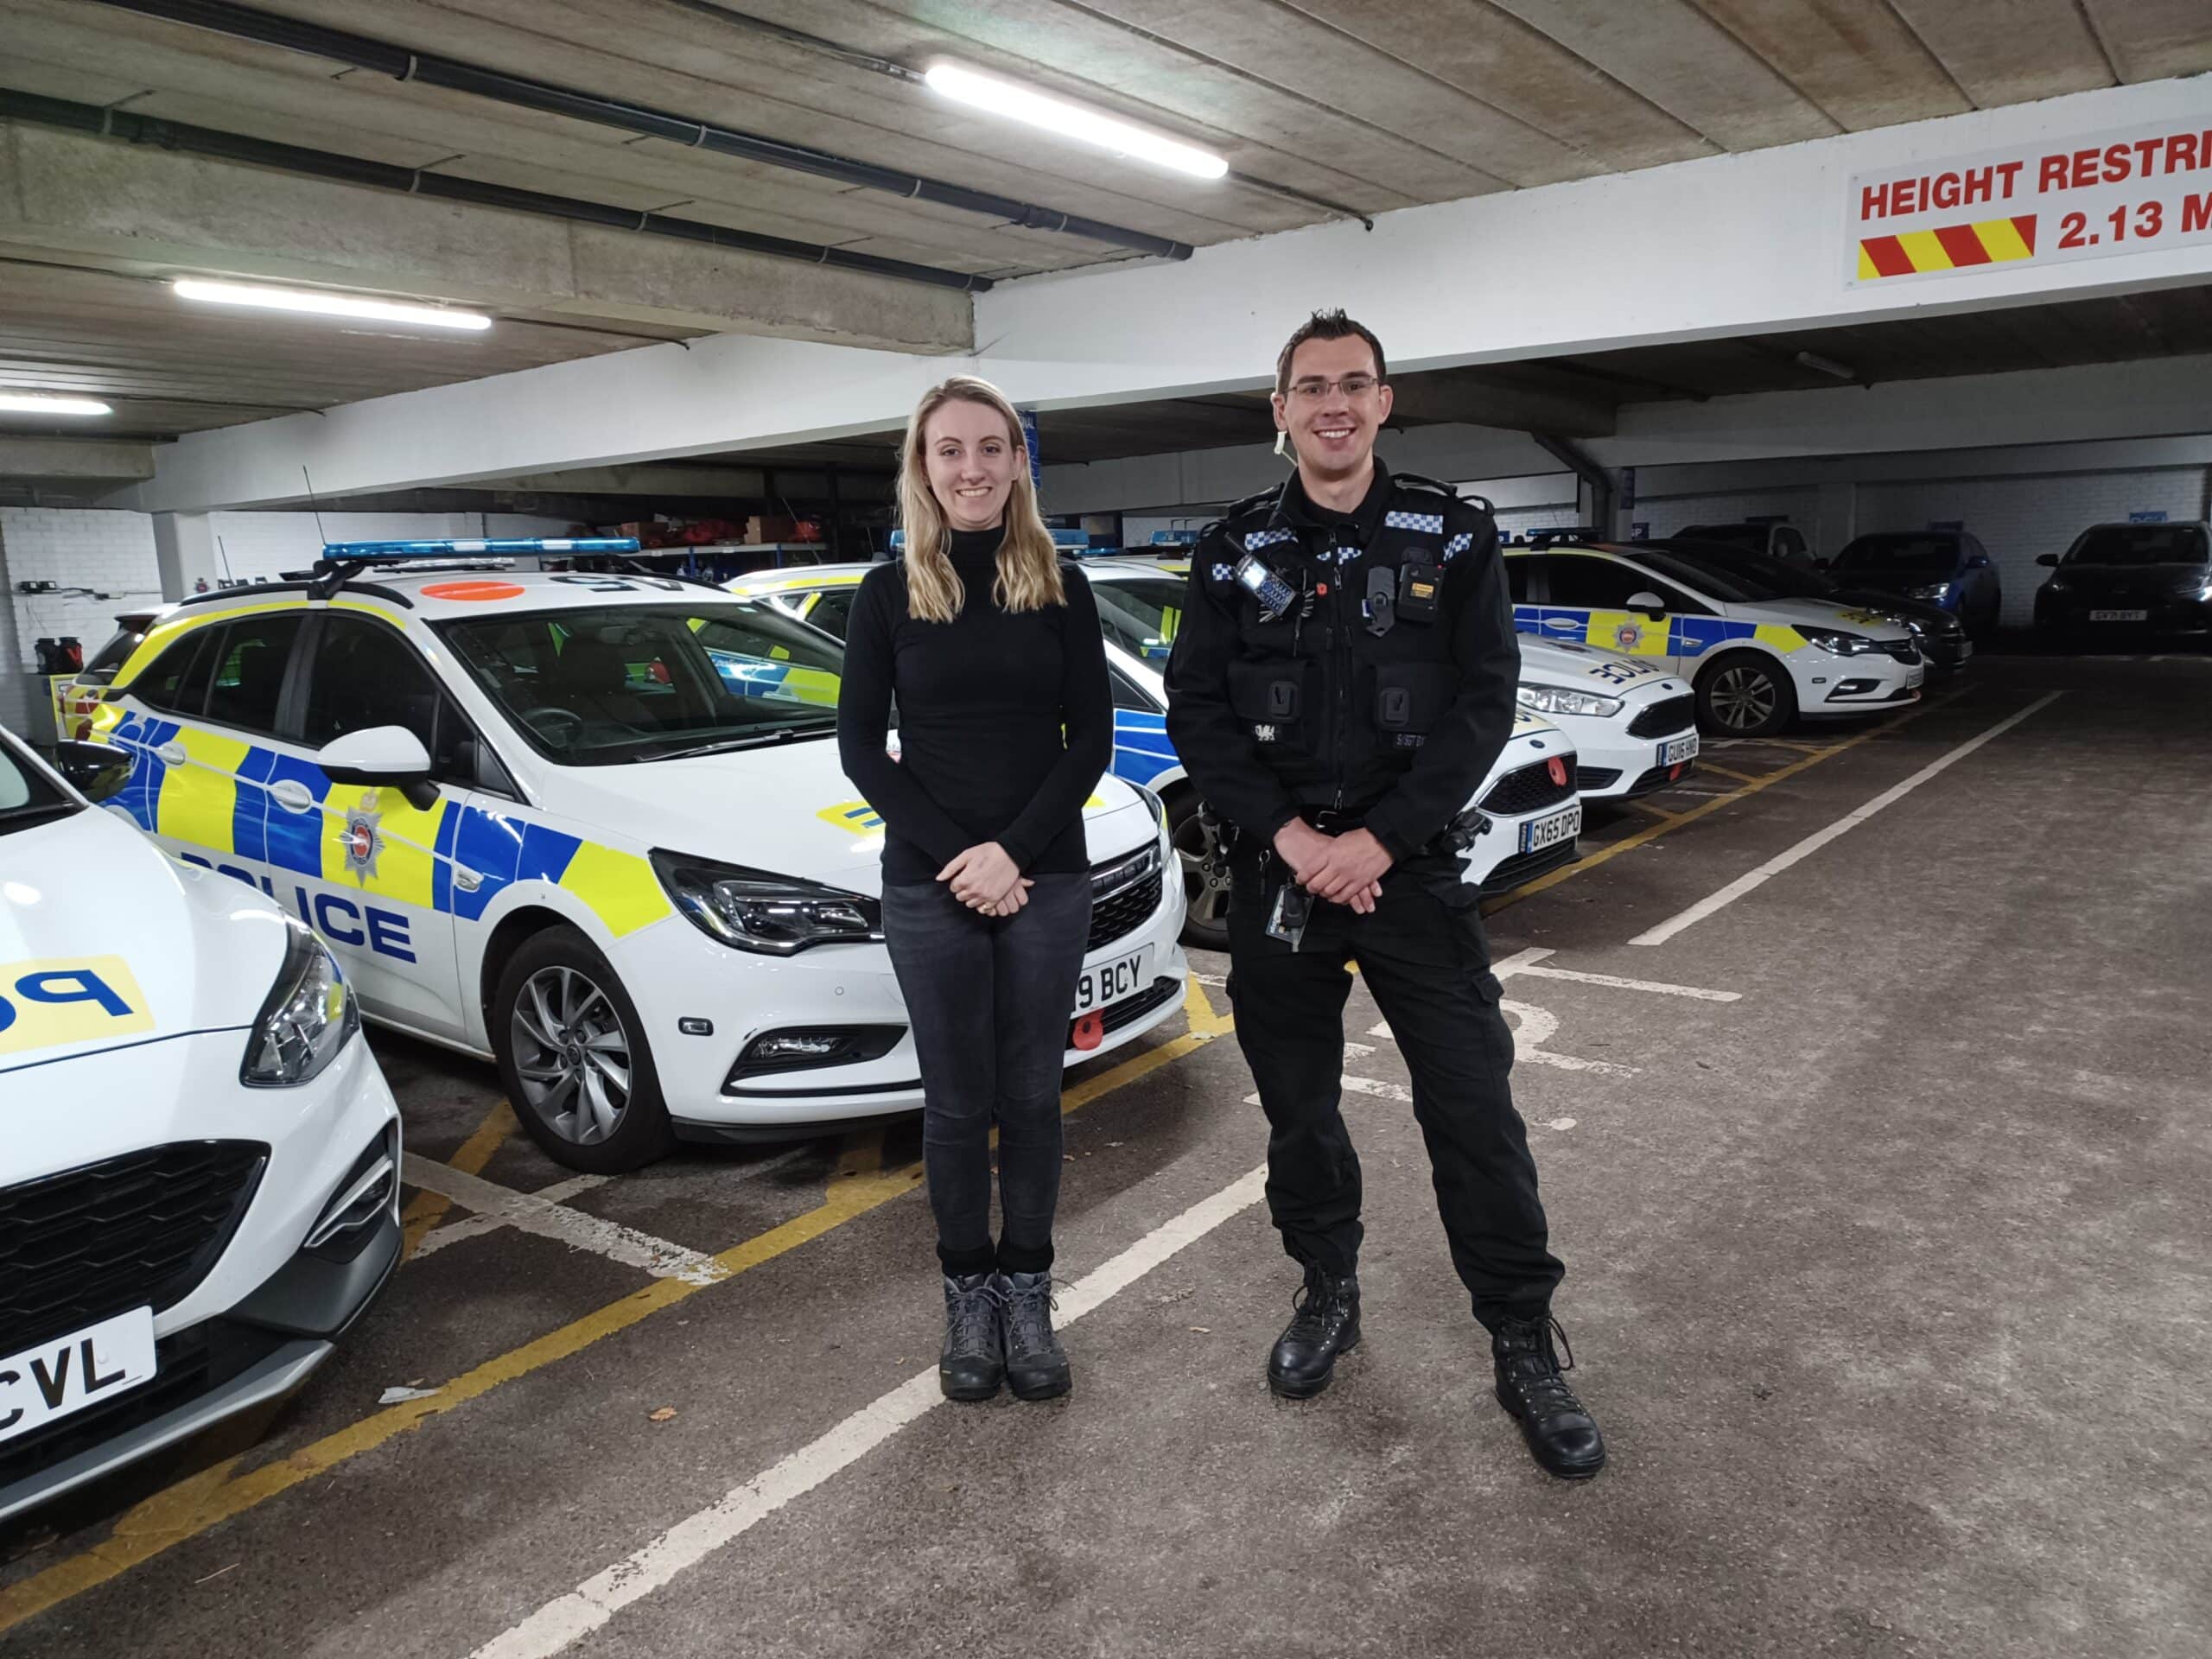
[(2124, 615)]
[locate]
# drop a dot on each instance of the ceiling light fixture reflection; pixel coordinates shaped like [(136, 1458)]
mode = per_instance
[(314, 302), (1018, 102), (1819, 364), (47, 402)]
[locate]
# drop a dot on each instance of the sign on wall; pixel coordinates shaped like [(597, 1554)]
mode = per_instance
[(2136, 190)]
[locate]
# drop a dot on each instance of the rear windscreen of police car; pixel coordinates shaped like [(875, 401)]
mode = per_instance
[(608, 685), (25, 796)]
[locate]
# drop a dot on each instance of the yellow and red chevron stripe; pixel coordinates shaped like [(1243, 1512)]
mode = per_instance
[(1986, 241)]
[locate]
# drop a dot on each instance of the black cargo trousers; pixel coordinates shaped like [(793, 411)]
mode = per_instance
[(1422, 954)]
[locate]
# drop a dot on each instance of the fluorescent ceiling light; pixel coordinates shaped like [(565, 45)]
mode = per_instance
[(1018, 102), (1821, 365), (318, 304), (47, 402)]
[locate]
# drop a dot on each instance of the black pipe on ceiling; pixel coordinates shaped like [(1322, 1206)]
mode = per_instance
[(245, 22), (352, 170)]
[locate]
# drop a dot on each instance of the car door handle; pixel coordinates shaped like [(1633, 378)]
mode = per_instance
[(465, 879), (172, 754), (292, 795)]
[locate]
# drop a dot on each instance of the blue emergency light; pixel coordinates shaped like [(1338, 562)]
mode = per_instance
[(465, 546)]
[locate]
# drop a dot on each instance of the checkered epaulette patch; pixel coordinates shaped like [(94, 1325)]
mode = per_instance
[(1256, 539), (1431, 523), (1457, 545)]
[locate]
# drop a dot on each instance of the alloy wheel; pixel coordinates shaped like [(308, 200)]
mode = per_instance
[(1744, 699), (1206, 871), (571, 1054)]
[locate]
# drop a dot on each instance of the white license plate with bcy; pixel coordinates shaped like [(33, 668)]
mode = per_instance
[(2119, 616), (1550, 832), (1112, 981), (86, 1368), (1677, 750)]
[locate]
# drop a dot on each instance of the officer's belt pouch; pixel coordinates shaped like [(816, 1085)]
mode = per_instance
[(1410, 698), (1269, 698)]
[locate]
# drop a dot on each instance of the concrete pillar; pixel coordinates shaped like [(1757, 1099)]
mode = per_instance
[(17, 684), (184, 551), (1836, 520)]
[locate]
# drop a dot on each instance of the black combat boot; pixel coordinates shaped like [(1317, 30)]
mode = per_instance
[(1562, 1435), (1326, 1324), (1036, 1364), (973, 1363)]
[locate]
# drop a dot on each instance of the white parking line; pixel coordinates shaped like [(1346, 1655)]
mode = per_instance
[(1751, 880), (567, 1619), (1657, 988), (477, 1225), (530, 1213)]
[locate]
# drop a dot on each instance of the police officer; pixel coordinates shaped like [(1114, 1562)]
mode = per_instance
[(1342, 682)]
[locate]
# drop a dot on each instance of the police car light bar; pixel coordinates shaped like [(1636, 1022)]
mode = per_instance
[(379, 552)]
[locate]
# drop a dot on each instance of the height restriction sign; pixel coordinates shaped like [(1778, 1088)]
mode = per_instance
[(2133, 190)]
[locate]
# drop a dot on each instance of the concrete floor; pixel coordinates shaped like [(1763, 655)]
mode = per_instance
[(1887, 1279)]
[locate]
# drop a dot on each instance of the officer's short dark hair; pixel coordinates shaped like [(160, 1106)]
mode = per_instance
[(1327, 325)]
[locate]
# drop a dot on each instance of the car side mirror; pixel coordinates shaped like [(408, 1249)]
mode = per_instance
[(380, 757), (2046, 558), (1649, 603), (97, 770)]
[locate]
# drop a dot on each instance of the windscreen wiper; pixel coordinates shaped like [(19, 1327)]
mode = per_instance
[(724, 745)]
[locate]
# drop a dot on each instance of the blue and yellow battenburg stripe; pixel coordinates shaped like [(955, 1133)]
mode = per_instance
[(1632, 633), (1141, 749), (218, 801)]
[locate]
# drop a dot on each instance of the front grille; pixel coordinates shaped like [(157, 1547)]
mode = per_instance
[(187, 1364), (1590, 778), (1121, 913), (1527, 866), (140, 1229), (1667, 715), (1530, 789)]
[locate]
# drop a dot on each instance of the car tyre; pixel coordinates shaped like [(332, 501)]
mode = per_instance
[(1745, 694), (572, 1056), (1205, 865)]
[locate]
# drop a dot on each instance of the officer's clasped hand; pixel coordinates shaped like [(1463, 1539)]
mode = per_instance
[(1344, 869)]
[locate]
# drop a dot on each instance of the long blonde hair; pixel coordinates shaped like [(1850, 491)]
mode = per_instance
[(1029, 565)]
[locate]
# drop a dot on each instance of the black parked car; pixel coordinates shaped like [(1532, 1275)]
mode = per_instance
[(1943, 638), (2153, 579), (1948, 567)]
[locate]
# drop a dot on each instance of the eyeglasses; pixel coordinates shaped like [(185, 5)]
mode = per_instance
[(1314, 390)]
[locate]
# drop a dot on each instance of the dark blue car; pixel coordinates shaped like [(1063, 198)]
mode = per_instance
[(1947, 568)]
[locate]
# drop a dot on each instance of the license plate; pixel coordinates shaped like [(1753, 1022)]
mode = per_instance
[(1112, 982), (1914, 680), (1550, 832), (70, 1373), (1677, 750), (2119, 616), (1966, 649)]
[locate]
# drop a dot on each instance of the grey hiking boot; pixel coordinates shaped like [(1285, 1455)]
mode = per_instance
[(973, 1363), (1036, 1364)]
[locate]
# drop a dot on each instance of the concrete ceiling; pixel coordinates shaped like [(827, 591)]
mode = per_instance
[(1324, 108), (1579, 396)]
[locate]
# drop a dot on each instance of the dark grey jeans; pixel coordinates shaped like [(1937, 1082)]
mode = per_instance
[(989, 999)]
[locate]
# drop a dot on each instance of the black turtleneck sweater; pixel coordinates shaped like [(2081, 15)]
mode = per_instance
[(1005, 721)]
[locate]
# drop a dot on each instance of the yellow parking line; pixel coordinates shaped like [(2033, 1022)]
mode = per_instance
[(1657, 811), (429, 1208), (209, 1499), (1630, 843), (1740, 777)]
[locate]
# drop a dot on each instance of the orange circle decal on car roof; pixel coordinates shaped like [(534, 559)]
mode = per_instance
[(476, 592)]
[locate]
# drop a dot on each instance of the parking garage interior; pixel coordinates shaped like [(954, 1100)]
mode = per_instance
[(1862, 1057)]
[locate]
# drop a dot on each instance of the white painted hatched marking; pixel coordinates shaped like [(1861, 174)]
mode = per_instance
[(1656, 987), (532, 1214)]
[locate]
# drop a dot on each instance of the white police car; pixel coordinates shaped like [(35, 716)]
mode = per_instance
[(1755, 662), (199, 1165), (1633, 724), (593, 826), (1532, 814)]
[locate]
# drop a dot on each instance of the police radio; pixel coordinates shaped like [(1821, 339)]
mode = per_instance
[(1258, 578)]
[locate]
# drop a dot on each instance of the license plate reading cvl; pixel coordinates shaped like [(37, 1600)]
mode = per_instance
[(87, 1368)]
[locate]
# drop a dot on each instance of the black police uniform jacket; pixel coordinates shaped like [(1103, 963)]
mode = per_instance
[(1312, 710)]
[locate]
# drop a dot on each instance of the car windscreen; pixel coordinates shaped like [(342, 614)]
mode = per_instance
[(2140, 544), (130, 633), (1779, 580), (1932, 557), (607, 685), (1727, 587), (28, 796), (1141, 614)]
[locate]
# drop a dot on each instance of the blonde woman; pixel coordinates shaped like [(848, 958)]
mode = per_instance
[(991, 647)]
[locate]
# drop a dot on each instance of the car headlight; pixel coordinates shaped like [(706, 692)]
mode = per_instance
[(1558, 700), (756, 910), (308, 1016), (1938, 591), (1839, 643)]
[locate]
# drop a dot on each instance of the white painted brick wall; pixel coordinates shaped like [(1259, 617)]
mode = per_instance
[(2016, 518), (109, 552)]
